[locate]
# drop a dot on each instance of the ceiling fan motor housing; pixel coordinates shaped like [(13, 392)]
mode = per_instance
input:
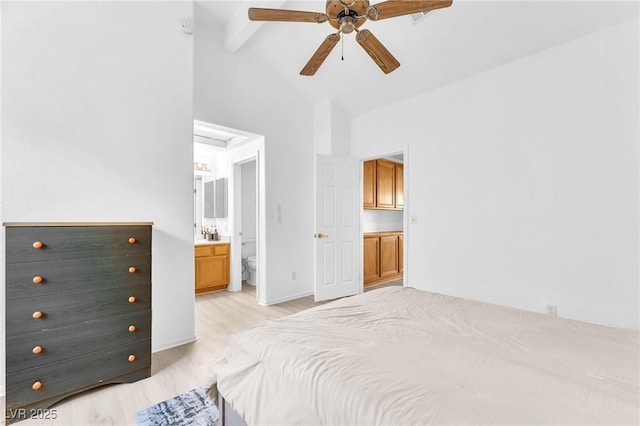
[(347, 21), (343, 14)]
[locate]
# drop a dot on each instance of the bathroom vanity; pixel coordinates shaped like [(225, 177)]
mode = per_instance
[(212, 265)]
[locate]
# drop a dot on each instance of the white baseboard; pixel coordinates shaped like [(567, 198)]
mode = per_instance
[(163, 346), (285, 299)]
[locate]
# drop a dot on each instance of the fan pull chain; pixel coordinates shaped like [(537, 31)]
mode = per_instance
[(342, 40)]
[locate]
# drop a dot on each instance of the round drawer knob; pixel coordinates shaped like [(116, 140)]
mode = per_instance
[(132, 358), (37, 349), (132, 240), (37, 314), (36, 385), (37, 279), (132, 269), (132, 299), (37, 245), (132, 328)]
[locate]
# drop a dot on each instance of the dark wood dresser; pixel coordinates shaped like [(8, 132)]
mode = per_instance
[(78, 310)]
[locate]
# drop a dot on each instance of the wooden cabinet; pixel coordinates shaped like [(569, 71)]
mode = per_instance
[(386, 184), (399, 185), (78, 311), (369, 184), (388, 256), (212, 267), (382, 257), (383, 182), (371, 258), (401, 254)]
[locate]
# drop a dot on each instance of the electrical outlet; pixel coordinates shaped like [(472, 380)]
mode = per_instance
[(552, 310), (293, 275)]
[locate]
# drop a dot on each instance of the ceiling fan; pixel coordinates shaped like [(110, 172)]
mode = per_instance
[(348, 16)]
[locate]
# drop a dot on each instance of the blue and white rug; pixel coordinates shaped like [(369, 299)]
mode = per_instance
[(193, 408)]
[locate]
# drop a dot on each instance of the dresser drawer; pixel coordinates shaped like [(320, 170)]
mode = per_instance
[(75, 242), (76, 373), (75, 275), (64, 309), (77, 339)]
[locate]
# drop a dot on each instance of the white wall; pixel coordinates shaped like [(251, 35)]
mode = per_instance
[(381, 220), (322, 131), (97, 125), (524, 180), (340, 131), (331, 128), (238, 91)]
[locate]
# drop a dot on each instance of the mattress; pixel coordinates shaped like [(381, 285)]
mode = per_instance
[(401, 356)]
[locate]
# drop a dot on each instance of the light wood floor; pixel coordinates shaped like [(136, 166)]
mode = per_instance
[(176, 370)]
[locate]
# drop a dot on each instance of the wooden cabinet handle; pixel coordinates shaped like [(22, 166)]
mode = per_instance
[(37, 279), (37, 314), (132, 240), (132, 358), (36, 385), (37, 349), (132, 269), (37, 245), (132, 299), (132, 328)]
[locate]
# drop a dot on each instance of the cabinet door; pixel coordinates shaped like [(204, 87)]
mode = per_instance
[(385, 188), (400, 186), (388, 255), (369, 184), (401, 254), (212, 271), (371, 259)]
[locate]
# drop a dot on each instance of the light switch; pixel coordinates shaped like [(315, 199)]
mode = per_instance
[(414, 219), (279, 213)]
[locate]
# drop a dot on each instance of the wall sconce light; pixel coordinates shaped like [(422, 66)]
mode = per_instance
[(203, 167)]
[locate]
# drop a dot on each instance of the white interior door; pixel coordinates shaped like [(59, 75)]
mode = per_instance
[(337, 234)]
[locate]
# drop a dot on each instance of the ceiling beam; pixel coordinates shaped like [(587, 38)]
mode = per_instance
[(240, 29)]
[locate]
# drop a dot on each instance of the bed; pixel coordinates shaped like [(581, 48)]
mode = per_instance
[(400, 356)]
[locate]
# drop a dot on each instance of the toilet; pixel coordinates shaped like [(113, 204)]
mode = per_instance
[(245, 269), (251, 261)]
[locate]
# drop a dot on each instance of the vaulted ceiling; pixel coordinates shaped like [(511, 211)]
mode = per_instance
[(450, 44)]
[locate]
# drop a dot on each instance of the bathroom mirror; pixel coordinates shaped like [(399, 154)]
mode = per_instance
[(220, 200), (215, 198), (209, 200)]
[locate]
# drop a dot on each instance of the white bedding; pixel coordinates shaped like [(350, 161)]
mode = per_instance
[(404, 356)]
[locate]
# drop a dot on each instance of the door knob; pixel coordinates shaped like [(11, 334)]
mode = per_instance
[(319, 235)]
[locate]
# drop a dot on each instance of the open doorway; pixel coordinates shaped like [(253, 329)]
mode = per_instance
[(232, 162), (246, 223), (383, 221)]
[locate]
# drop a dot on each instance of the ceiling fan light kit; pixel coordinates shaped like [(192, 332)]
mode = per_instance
[(348, 16)]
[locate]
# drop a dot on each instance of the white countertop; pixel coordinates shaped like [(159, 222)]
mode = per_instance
[(222, 240)]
